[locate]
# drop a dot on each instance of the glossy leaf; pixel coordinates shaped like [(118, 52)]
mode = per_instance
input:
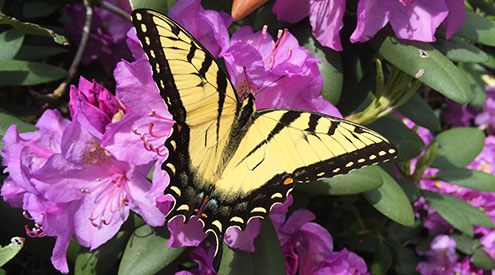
[(418, 111), (457, 212), (9, 251), (408, 143), (33, 29), (361, 180), (33, 53), (10, 43), (268, 257), (458, 147), (17, 72), (391, 201), (473, 73), (463, 243), (147, 252), (330, 69), (102, 259), (459, 50), (482, 260), (439, 72), (382, 260), (478, 28), (473, 179), (162, 6)]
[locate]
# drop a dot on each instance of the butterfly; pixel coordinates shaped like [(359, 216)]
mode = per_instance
[(229, 162)]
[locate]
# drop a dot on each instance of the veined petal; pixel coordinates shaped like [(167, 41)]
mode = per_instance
[(326, 18), (418, 20), (291, 11), (372, 16)]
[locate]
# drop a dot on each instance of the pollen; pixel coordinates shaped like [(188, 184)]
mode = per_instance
[(94, 154)]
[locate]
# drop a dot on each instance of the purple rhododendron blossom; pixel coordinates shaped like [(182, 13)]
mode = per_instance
[(107, 33), (325, 17), (208, 26), (101, 189), (308, 247), (441, 258), (413, 20), (486, 117), (97, 107), (281, 74), (23, 155), (458, 115), (147, 124)]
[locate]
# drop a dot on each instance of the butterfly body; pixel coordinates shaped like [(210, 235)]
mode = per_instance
[(228, 162)]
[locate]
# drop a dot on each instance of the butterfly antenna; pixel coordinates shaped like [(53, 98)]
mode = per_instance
[(270, 84)]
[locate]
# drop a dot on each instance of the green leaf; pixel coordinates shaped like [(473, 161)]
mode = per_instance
[(162, 6), (8, 252), (457, 212), (10, 43), (361, 180), (463, 243), (458, 147), (478, 28), (490, 63), (102, 259), (268, 257), (408, 143), (382, 260), (391, 201), (459, 50), (32, 53), (486, 7), (410, 188), (418, 111), (147, 252), (473, 179), (482, 260), (17, 72), (330, 68), (473, 73), (33, 29), (412, 56), (38, 9)]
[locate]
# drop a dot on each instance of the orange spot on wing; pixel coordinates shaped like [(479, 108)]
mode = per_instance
[(196, 210), (204, 215), (179, 127), (288, 181)]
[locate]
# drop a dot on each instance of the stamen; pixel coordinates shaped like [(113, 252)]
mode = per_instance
[(406, 3), (154, 136), (35, 232)]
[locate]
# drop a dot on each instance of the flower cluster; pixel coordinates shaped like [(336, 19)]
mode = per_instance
[(410, 19)]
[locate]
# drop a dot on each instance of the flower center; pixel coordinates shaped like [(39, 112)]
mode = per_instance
[(95, 155), (110, 196), (153, 138), (276, 45)]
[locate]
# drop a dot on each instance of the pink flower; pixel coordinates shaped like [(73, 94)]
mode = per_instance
[(280, 74), (96, 105), (441, 258), (486, 117), (308, 247), (207, 26), (325, 17), (413, 20)]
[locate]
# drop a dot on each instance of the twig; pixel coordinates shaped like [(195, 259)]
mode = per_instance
[(114, 9), (80, 51)]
